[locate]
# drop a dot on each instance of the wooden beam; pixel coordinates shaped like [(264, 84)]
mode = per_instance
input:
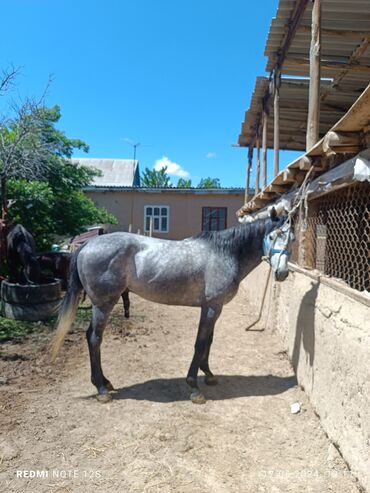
[(278, 188), (336, 33), (356, 54), (258, 167), (330, 64), (264, 144), (305, 163), (342, 142), (266, 195), (293, 175), (294, 21), (313, 118), (258, 202), (249, 168), (277, 81)]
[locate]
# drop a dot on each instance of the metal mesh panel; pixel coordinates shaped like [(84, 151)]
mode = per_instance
[(337, 239)]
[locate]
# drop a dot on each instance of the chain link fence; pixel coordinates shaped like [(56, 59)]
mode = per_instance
[(336, 240)]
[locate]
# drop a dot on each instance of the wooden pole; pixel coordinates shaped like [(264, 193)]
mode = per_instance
[(249, 169), (151, 226), (264, 143), (313, 119), (277, 80), (258, 167)]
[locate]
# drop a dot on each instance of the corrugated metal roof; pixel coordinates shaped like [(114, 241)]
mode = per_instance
[(354, 120), (115, 172), (191, 190), (344, 26), (293, 112), (345, 62)]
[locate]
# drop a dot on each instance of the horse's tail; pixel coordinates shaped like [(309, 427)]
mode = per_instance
[(67, 312)]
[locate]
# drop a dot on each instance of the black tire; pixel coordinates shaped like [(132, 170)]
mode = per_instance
[(31, 313), (31, 294)]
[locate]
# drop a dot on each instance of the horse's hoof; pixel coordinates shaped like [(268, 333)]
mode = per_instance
[(109, 386), (104, 398), (212, 380), (197, 397)]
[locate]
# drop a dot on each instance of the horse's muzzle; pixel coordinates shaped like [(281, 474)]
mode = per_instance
[(281, 275)]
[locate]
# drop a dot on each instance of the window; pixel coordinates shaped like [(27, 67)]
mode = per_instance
[(214, 218), (160, 215)]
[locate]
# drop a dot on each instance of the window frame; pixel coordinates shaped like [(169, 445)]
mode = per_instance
[(167, 207), (218, 217)]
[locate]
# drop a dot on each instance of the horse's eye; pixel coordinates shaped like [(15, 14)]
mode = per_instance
[(271, 237)]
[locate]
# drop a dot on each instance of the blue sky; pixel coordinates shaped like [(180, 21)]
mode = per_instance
[(174, 75)]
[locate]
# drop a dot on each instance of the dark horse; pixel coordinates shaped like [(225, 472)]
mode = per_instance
[(57, 263), (203, 271), (21, 253)]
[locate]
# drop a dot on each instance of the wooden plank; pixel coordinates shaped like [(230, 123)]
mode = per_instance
[(329, 65), (264, 143), (335, 33), (342, 142), (313, 118), (277, 81), (294, 22), (249, 168), (293, 175), (278, 188), (258, 167)]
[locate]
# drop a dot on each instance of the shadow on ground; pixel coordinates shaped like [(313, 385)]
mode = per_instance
[(229, 387)]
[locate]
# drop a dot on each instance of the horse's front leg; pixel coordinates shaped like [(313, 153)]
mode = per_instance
[(94, 337), (208, 318)]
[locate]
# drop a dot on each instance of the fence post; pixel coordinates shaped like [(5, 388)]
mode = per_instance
[(277, 81), (264, 141), (313, 118)]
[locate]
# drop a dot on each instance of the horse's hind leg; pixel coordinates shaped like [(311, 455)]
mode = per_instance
[(210, 379), (126, 303), (208, 318), (94, 337)]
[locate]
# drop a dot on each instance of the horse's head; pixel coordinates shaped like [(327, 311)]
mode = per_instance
[(277, 246)]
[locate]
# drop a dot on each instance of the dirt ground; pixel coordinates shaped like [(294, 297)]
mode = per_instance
[(151, 438)]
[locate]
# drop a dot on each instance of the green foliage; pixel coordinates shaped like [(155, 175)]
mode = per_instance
[(47, 196), (209, 183), (74, 211), (183, 183), (47, 212), (152, 178), (33, 207), (9, 328)]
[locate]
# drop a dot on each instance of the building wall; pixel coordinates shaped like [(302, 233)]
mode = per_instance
[(325, 327), (185, 214)]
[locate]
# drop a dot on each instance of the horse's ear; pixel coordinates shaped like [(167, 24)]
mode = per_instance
[(273, 214)]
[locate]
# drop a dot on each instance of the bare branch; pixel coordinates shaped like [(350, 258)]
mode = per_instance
[(7, 78)]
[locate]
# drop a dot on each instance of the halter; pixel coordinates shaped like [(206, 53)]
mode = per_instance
[(271, 250)]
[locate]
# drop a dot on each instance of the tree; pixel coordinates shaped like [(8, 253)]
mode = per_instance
[(153, 178), (183, 183), (209, 183), (43, 185)]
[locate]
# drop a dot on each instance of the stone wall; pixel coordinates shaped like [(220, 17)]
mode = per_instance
[(326, 330)]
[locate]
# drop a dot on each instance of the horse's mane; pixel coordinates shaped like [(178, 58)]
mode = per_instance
[(237, 239)]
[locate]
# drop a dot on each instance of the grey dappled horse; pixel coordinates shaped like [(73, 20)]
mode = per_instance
[(203, 271)]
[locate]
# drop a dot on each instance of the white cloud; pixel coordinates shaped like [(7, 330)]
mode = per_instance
[(210, 155), (172, 168)]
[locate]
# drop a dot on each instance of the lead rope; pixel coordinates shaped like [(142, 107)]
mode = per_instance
[(303, 198), (261, 307)]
